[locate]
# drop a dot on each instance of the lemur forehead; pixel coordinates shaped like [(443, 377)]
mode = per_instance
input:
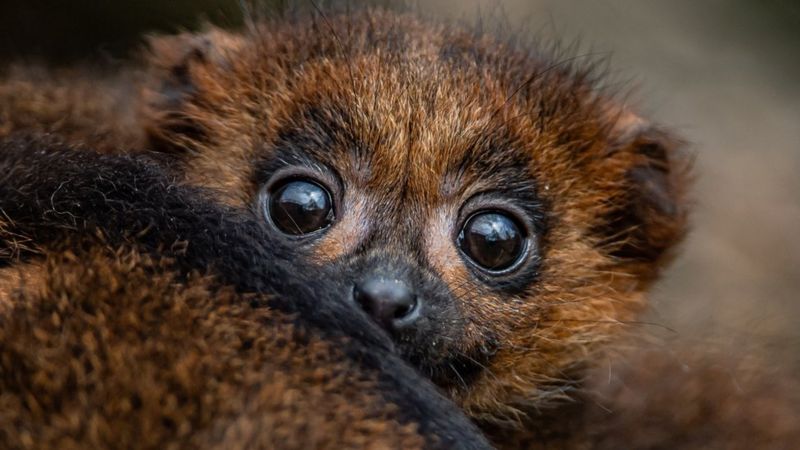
[(454, 163)]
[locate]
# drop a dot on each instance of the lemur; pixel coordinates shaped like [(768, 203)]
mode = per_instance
[(496, 211), (134, 313)]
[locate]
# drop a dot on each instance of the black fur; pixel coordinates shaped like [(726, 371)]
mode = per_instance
[(52, 194)]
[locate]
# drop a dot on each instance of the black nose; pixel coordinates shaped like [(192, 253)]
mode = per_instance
[(390, 302)]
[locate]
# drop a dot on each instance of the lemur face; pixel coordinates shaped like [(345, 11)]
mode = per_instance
[(498, 216), (437, 227)]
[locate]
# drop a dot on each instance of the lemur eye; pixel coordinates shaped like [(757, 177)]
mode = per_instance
[(492, 240), (299, 207)]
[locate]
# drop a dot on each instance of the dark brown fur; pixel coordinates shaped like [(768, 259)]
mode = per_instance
[(111, 356), (416, 119), (135, 313), (79, 105)]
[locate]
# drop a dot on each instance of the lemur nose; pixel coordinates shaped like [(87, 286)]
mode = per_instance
[(390, 302)]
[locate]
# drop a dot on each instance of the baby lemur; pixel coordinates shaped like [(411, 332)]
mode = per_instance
[(496, 211)]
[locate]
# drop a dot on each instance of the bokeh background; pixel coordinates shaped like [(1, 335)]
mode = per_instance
[(724, 74)]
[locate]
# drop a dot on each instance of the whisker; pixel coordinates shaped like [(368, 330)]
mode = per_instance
[(617, 322), (488, 370), (463, 383)]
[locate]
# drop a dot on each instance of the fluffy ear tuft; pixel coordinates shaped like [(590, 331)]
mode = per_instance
[(183, 71), (649, 216)]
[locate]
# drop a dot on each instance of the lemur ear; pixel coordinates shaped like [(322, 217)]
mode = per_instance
[(648, 216), (183, 69)]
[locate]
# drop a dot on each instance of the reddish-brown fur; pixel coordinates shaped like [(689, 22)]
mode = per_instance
[(134, 312), (420, 98), (118, 357), (79, 105), (418, 111)]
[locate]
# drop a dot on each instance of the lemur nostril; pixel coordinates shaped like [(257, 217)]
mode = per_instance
[(389, 302), (403, 311)]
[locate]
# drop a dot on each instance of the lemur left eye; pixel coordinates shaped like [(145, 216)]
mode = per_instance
[(300, 206), (492, 240)]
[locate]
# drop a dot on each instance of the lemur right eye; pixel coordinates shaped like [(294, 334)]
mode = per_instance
[(300, 206)]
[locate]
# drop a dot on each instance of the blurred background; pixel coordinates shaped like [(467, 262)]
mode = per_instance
[(724, 74)]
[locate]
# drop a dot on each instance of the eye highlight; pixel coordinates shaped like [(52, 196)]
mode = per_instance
[(492, 240), (300, 206)]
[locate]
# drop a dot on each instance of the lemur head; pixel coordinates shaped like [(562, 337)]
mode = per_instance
[(495, 212)]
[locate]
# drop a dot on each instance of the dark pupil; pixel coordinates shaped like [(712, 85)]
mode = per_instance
[(300, 207), (492, 240)]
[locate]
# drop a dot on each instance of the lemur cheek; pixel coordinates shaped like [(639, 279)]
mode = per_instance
[(471, 299)]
